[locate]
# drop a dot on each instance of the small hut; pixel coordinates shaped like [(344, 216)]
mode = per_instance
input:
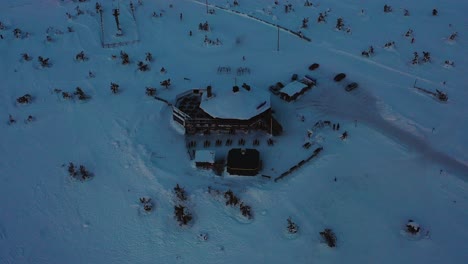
[(293, 90), (204, 159)]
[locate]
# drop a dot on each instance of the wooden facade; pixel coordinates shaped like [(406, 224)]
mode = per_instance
[(188, 113)]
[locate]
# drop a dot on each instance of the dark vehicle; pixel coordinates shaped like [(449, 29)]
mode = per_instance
[(351, 86), (314, 66), (294, 77), (276, 88), (339, 77)]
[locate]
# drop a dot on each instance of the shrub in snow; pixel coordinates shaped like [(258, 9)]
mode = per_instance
[(125, 58), (180, 193), (18, 33), (114, 88), (181, 215), (166, 83), (142, 66), (292, 227), (81, 56), (339, 23), (147, 204), (329, 237), (288, 8), (426, 56), (25, 99), (387, 9), (67, 95), (26, 57), (389, 44), (412, 227), (150, 91), (321, 18), (81, 173), (231, 199), (369, 52), (81, 95), (149, 57), (246, 210), (44, 61)]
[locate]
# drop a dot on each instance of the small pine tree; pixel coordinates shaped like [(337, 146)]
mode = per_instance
[(231, 198), (246, 210), (329, 237), (292, 227), (71, 169), (180, 193), (339, 23), (84, 173), (114, 88)]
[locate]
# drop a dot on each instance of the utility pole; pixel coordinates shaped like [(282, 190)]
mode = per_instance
[(116, 13), (207, 7), (278, 44)]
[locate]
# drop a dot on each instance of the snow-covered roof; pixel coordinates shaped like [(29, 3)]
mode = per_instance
[(293, 88), (205, 156), (241, 105)]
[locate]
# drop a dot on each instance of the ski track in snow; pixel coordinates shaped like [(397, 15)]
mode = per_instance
[(363, 106), (369, 61)]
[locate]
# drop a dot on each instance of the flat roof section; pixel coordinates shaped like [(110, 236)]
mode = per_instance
[(243, 159), (293, 88), (241, 105)]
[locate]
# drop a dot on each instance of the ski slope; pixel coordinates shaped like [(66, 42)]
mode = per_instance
[(405, 157)]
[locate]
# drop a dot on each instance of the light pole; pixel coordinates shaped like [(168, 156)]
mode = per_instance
[(278, 42)]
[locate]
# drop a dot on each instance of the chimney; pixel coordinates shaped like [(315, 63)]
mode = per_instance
[(208, 91), (235, 89)]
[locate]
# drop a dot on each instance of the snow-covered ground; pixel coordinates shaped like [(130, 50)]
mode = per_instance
[(405, 157)]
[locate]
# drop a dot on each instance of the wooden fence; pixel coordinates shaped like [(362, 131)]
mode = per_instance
[(296, 33), (298, 165)]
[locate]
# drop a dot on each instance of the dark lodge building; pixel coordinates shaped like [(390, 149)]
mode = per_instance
[(244, 162), (201, 111)]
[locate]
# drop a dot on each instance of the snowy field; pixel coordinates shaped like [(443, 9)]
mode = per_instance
[(405, 157)]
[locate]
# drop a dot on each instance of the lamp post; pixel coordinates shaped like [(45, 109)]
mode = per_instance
[(116, 13)]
